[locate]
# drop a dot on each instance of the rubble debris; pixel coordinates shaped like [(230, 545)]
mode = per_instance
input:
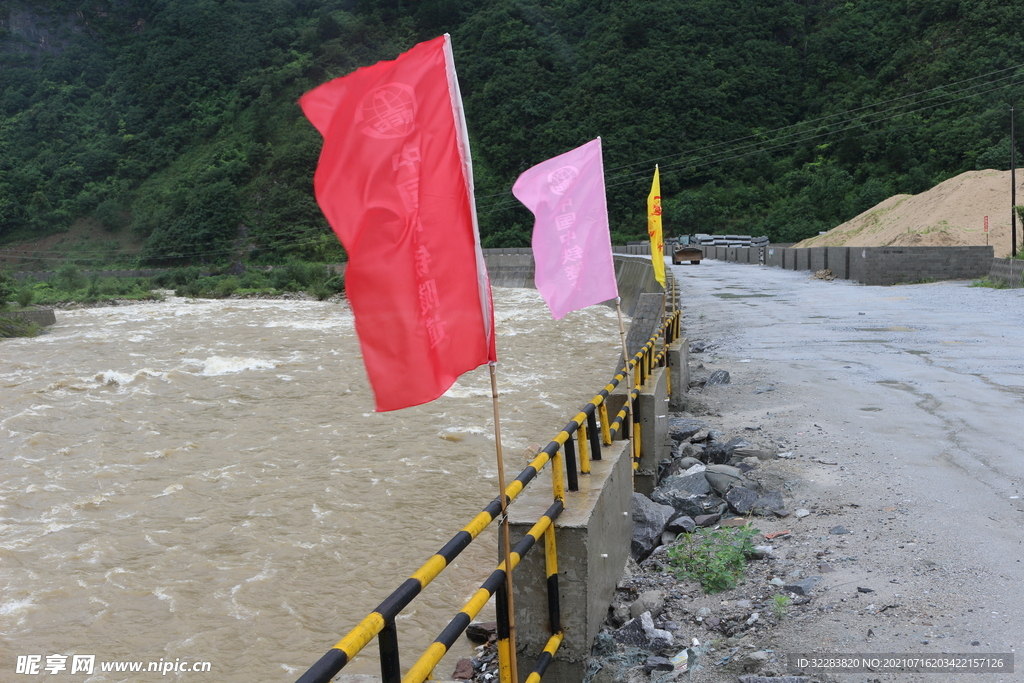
[(640, 632), (481, 631), (803, 587), (718, 377)]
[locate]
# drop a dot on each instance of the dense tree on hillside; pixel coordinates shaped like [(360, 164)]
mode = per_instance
[(176, 119)]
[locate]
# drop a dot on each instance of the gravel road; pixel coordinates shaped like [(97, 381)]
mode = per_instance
[(898, 408)]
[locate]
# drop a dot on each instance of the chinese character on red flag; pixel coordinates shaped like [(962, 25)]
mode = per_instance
[(395, 182)]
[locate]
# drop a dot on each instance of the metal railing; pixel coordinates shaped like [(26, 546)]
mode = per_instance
[(562, 453)]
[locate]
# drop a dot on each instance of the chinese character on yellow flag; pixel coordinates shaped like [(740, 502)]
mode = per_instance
[(654, 229)]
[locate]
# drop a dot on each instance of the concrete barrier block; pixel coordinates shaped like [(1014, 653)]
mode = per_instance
[(593, 537), (817, 258), (803, 261), (838, 259), (652, 419), (679, 373)]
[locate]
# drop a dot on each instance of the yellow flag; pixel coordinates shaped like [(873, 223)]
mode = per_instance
[(654, 229)]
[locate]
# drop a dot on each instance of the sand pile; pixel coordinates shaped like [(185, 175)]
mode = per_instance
[(950, 214)]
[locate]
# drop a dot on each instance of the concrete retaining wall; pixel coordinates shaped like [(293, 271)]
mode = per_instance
[(892, 265), (634, 274), (510, 267), (1010, 272), (39, 316), (633, 250), (880, 265)]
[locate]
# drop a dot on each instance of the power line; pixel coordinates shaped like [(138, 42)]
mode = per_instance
[(851, 121), (732, 154)]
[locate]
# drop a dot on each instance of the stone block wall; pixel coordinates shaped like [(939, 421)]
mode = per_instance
[(1007, 271), (838, 259), (817, 258), (789, 259), (882, 265), (802, 260), (893, 265)]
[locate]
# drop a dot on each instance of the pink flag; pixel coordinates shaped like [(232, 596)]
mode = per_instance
[(396, 185), (572, 250)]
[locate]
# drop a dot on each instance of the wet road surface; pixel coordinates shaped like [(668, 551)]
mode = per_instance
[(914, 397)]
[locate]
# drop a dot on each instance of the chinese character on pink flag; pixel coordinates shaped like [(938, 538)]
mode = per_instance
[(572, 249), (395, 182)]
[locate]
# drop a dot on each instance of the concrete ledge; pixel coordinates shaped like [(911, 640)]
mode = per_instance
[(652, 420), (39, 316), (592, 535), (635, 276)]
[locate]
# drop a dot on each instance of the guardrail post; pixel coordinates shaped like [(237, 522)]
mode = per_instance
[(606, 435), (570, 464), (387, 641), (503, 633), (595, 439), (558, 475), (582, 445), (551, 568)]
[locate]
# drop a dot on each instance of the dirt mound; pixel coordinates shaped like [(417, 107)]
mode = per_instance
[(950, 214)]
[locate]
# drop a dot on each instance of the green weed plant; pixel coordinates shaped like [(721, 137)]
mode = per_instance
[(715, 559), (991, 284), (780, 605)]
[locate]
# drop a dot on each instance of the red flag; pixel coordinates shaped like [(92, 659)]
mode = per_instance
[(395, 182)]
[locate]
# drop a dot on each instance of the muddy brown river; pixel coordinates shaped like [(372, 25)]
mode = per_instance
[(207, 481)]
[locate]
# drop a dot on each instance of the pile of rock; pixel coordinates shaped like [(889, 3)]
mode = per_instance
[(707, 481)]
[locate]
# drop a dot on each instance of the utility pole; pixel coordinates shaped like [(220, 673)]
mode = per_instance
[(1013, 185)]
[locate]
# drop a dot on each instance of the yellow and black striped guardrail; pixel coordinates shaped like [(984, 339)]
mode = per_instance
[(590, 436)]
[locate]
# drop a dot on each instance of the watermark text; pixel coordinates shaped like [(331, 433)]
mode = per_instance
[(86, 664)]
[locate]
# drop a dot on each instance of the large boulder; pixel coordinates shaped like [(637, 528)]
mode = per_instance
[(649, 520), (682, 428), (684, 485), (719, 453), (741, 499), (723, 477)]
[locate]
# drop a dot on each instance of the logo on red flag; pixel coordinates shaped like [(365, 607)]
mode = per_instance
[(395, 182)]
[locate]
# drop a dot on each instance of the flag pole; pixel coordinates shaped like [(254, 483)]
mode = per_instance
[(506, 550), (625, 354)]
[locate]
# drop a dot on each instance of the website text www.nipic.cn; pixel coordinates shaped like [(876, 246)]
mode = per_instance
[(87, 664)]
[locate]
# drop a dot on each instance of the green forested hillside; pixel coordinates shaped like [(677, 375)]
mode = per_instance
[(177, 120)]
